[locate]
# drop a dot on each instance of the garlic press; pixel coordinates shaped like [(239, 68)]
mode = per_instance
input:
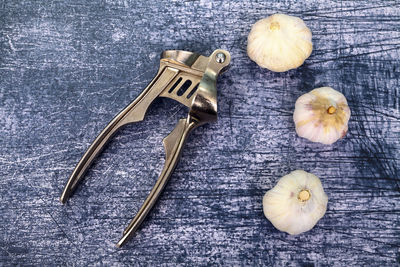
[(183, 76)]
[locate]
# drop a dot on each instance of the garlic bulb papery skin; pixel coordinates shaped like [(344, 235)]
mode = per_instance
[(279, 42), (322, 115), (296, 203)]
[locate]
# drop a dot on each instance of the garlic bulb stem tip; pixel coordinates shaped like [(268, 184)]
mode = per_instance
[(275, 25), (304, 195), (331, 110)]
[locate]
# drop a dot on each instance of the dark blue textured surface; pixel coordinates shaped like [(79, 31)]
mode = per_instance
[(67, 67)]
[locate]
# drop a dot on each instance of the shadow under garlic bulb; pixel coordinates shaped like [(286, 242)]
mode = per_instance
[(279, 42), (296, 203), (322, 115)]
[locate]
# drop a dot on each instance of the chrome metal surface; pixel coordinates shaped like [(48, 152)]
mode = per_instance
[(220, 58), (186, 77)]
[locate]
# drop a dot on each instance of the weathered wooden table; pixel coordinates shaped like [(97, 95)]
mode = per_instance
[(67, 67)]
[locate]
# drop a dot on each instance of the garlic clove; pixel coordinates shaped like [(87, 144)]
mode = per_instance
[(322, 115), (279, 42), (296, 203)]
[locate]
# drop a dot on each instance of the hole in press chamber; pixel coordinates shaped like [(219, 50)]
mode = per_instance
[(184, 88), (175, 85), (193, 91)]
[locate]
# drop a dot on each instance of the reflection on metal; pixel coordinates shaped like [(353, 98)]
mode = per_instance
[(192, 75)]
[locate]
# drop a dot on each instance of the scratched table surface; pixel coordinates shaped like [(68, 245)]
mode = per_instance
[(68, 67)]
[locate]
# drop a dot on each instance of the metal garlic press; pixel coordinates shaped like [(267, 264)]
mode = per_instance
[(186, 77)]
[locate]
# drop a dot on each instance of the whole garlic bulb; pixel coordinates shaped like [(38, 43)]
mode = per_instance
[(296, 203), (322, 115), (279, 42)]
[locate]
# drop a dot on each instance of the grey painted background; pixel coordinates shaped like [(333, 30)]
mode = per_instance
[(67, 67)]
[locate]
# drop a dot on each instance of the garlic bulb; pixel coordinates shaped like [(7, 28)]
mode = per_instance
[(322, 115), (279, 42), (296, 203)]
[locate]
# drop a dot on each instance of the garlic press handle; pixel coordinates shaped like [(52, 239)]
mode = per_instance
[(134, 112), (173, 145)]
